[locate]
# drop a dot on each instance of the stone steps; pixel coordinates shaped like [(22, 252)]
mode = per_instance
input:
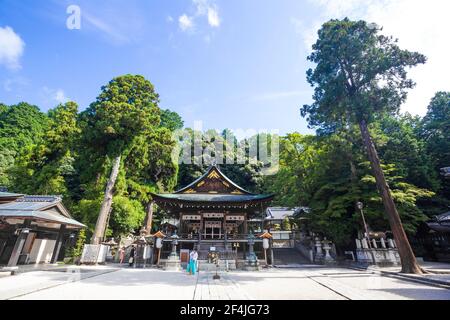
[(204, 265)]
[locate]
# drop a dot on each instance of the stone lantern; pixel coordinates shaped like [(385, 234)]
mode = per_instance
[(174, 239), (251, 262), (173, 262), (327, 247)]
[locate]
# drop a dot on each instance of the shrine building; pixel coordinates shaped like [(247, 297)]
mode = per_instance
[(214, 213)]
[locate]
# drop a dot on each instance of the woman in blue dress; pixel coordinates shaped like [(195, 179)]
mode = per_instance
[(192, 266)]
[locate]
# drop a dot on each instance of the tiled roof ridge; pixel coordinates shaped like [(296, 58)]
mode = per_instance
[(40, 198)]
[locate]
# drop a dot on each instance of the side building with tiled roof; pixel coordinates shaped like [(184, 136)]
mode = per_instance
[(34, 229)]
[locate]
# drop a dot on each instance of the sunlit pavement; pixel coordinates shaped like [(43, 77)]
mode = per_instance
[(290, 283)]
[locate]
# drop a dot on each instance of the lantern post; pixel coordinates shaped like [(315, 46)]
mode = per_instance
[(158, 244), (266, 236)]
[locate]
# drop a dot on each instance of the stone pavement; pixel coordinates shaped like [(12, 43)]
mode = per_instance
[(35, 281), (439, 273), (303, 283)]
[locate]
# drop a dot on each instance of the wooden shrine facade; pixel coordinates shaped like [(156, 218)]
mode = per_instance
[(213, 210)]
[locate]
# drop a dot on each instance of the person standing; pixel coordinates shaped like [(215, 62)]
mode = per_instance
[(192, 266), (121, 254), (132, 256)]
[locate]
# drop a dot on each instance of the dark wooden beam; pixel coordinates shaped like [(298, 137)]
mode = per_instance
[(58, 244), (18, 246)]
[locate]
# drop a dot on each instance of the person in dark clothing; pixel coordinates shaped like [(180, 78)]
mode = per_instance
[(132, 256)]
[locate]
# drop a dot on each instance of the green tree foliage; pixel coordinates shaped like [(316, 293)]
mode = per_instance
[(286, 224), (127, 216), (359, 76), (171, 120), (47, 167), (126, 108), (125, 123), (76, 251), (236, 162), (328, 173), (400, 144), (435, 130), (21, 126)]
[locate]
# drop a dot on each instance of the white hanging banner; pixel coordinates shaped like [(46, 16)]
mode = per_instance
[(191, 217), (212, 215), (235, 218)]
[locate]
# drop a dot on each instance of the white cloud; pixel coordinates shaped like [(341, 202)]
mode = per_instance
[(108, 29), (60, 96), (15, 83), (11, 48), (213, 17), (185, 22), (203, 8), (419, 26), (50, 97)]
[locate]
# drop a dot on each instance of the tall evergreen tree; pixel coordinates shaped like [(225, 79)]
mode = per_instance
[(126, 108), (360, 75)]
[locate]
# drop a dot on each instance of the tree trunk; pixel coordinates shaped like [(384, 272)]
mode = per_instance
[(149, 218), (100, 226), (409, 263)]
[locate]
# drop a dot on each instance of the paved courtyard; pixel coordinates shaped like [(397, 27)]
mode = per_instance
[(306, 282)]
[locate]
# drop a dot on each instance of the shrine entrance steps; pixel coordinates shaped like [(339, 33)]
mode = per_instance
[(289, 256), (224, 265)]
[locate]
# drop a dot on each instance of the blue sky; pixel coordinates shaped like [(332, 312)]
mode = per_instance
[(230, 64)]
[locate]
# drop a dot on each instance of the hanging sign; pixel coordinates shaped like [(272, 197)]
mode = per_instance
[(235, 218), (213, 224), (212, 215), (191, 217)]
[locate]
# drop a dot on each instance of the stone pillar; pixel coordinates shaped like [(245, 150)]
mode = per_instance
[(18, 246), (365, 245), (383, 243), (374, 243), (58, 244), (391, 243)]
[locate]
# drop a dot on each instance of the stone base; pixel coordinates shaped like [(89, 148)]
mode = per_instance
[(94, 254), (173, 263), (252, 268), (11, 270), (224, 265), (329, 262), (383, 257), (252, 265)]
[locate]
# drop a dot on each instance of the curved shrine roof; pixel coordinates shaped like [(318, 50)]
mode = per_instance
[(213, 186)]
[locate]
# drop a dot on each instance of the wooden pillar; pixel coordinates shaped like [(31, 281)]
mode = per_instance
[(18, 246), (149, 218), (58, 244), (181, 225), (199, 232), (245, 224), (224, 223)]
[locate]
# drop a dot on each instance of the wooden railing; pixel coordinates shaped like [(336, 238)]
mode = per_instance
[(229, 238)]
